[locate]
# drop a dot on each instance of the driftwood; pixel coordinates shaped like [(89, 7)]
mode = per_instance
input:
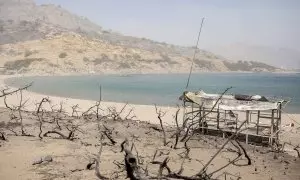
[(131, 165)]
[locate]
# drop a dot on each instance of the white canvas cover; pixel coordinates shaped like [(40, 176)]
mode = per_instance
[(228, 102)]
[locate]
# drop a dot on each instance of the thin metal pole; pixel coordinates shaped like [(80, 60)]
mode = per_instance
[(191, 69)]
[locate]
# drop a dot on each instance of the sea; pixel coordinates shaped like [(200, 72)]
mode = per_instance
[(165, 89)]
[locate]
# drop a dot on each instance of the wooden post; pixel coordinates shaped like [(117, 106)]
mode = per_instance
[(218, 118), (225, 114), (257, 125), (192, 113), (184, 110), (236, 122), (279, 120), (250, 118), (200, 115), (202, 121), (247, 116), (272, 127), (247, 120)]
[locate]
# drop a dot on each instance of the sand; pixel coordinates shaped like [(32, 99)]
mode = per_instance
[(71, 157)]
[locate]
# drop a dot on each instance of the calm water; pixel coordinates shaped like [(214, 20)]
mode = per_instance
[(165, 89)]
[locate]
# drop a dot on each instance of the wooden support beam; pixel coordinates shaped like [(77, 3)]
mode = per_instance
[(257, 125), (267, 117), (202, 122), (192, 113), (280, 106), (272, 128), (184, 112), (279, 120), (201, 113), (247, 116), (225, 116), (218, 118)]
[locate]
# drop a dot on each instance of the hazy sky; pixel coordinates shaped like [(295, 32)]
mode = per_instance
[(258, 22)]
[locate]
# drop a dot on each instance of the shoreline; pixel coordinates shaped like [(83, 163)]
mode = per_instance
[(4, 78), (142, 112), (146, 73)]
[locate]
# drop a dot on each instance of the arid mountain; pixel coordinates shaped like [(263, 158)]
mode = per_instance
[(73, 53), (49, 39)]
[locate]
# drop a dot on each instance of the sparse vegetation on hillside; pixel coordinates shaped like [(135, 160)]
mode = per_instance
[(102, 59), (256, 64), (18, 64), (167, 59), (115, 56), (80, 51), (124, 65), (29, 52), (63, 55), (204, 64), (53, 65), (247, 66), (85, 59), (136, 56), (68, 63)]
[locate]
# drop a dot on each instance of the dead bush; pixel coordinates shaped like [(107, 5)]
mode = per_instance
[(63, 55)]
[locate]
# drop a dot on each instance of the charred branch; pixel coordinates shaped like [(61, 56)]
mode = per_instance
[(161, 114), (44, 100), (97, 161), (4, 93), (58, 133), (2, 136), (107, 132)]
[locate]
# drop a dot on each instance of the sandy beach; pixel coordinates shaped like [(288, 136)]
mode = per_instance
[(142, 112), (71, 157)]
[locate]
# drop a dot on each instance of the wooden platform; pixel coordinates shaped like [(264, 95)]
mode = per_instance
[(243, 137)]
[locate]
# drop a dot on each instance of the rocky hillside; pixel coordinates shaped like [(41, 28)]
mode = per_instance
[(73, 53), (49, 39)]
